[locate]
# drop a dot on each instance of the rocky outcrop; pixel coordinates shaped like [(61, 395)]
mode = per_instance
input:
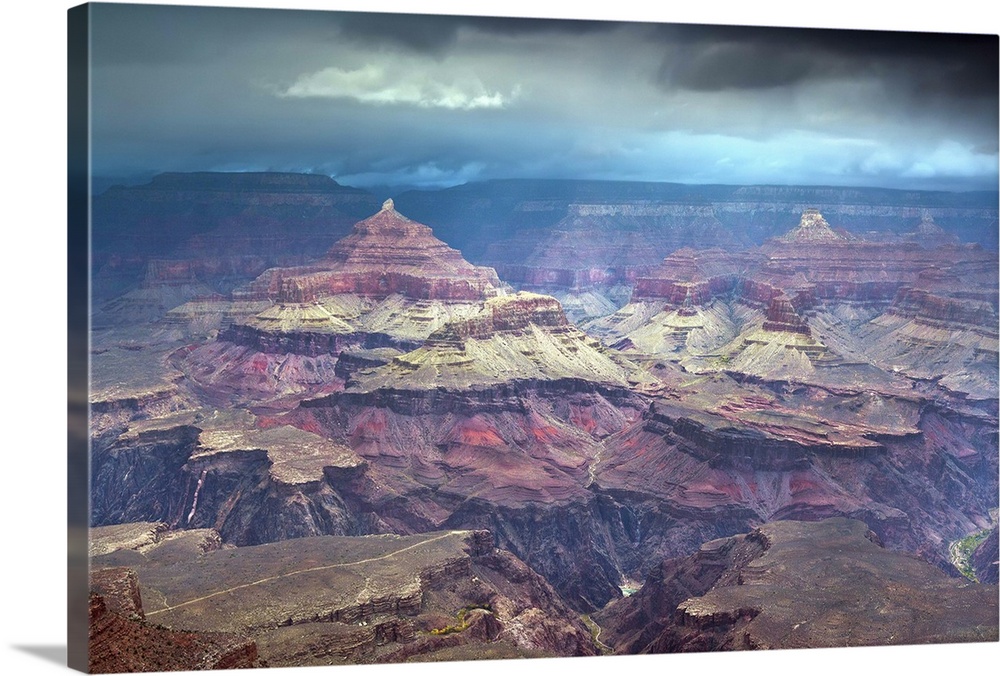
[(385, 254), (811, 262), (781, 316), (372, 599), (694, 277), (929, 234), (390, 283), (814, 305), (122, 641), (600, 248), (793, 584), (812, 228), (520, 338), (302, 342), (218, 471)]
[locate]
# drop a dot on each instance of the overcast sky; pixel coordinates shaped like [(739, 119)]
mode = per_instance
[(434, 101)]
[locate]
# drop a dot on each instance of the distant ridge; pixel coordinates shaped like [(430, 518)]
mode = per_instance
[(259, 180)]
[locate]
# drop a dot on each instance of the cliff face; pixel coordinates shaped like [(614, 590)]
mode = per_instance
[(222, 471), (865, 457), (390, 283), (222, 228), (749, 214), (795, 584), (385, 254), (332, 600), (392, 388), (573, 239), (816, 304), (122, 641)]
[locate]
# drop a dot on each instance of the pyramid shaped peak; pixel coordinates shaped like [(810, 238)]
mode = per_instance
[(389, 222), (927, 226), (812, 228)]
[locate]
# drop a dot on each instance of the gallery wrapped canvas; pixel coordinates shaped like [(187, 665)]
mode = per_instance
[(414, 337)]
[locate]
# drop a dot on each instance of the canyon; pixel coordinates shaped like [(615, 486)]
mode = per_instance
[(549, 393)]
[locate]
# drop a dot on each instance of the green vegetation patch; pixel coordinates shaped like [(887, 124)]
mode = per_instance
[(962, 550), (461, 623)]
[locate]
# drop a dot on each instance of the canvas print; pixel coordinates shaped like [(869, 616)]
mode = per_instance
[(426, 337)]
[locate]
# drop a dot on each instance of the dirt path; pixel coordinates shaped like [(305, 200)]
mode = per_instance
[(300, 572)]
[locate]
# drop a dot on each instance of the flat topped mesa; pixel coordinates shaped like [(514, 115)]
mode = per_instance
[(812, 228)]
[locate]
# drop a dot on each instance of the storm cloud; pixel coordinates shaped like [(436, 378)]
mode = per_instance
[(389, 99)]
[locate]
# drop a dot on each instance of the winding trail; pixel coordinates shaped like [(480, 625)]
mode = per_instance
[(300, 572)]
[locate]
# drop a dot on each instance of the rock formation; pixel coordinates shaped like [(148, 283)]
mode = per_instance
[(331, 600), (812, 229), (794, 584), (534, 231), (835, 300), (389, 389), (591, 259), (222, 229), (385, 254), (390, 283), (123, 641)]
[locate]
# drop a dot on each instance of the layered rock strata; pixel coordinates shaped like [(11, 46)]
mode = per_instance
[(587, 242), (816, 304), (737, 390), (591, 259), (794, 585), (385, 254), (222, 228), (332, 600), (123, 641), (749, 214), (222, 470), (390, 283)]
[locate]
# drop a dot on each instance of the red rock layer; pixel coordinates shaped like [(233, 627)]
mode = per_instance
[(813, 264), (695, 277), (506, 315), (384, 255), (781, 316), (944, 310), (121, 641)]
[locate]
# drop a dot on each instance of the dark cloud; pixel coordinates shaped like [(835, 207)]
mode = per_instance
[(390, 98), (722, 57), (421, 33), (436, 34), (154, 35), (732, 65)]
